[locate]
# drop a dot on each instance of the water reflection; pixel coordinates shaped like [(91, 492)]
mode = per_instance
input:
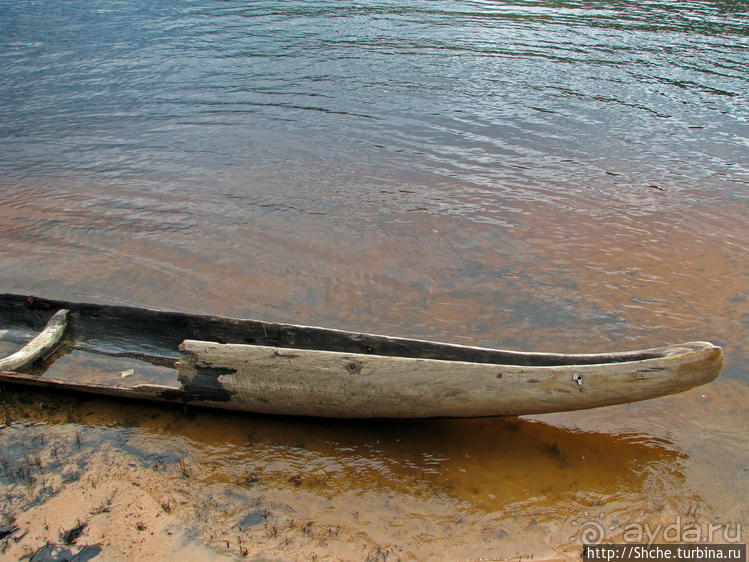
[(510, 481), (492, 465)]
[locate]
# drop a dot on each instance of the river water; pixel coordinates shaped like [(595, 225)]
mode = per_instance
[(557, 176)]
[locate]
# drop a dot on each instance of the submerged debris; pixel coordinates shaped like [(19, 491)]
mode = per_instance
[(6, 530), (252, 519), (71, 535), (56, 553)]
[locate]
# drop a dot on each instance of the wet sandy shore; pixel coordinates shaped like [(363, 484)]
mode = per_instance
[(155, 482)]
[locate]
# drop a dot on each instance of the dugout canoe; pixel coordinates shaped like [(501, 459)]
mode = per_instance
[(272, 368)]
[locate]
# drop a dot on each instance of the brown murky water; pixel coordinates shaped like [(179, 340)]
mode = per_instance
[(456, 489), (568, 178)]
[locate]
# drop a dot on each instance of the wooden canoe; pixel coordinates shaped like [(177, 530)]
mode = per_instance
[(271, 368)]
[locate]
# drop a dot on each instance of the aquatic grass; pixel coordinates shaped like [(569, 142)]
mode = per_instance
[(243, 550), (184, 469), (105, 506)]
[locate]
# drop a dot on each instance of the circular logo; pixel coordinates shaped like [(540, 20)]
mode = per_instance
[(592, 533)]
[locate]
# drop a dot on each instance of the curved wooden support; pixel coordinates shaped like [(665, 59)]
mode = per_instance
[(40, 347)]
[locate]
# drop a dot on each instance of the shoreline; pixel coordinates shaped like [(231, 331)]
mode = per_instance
[(203, 485)]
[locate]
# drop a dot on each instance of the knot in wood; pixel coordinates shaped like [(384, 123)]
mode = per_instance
[(354, 367)]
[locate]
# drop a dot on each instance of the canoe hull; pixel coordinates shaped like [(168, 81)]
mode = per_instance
[(318, 383), (267, 368)]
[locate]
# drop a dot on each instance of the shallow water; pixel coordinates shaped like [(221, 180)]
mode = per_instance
[(563, 177)]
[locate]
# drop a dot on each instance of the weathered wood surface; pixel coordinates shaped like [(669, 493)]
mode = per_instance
[(322, 383), (122, 330), (39, 347), (264, 367), (139, 391)]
